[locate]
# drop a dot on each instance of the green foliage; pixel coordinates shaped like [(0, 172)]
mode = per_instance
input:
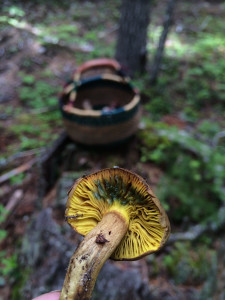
[(14, 11), (35, 130), (10, 270), (12, 15), (3, 234), (194, 172), (37, 121), (27, 129), (187, 264), (201, 86), (28, 79), (192, 73), (3, 214), (27, 143), (38, 94), (66, 33), (17, 179), (9, 263), (208, 129), (49, 118), (158, 106), (100, 50)]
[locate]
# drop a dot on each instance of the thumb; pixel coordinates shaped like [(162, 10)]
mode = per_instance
[(49, 296)]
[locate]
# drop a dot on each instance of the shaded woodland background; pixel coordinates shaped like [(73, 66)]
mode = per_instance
[(179, 146)]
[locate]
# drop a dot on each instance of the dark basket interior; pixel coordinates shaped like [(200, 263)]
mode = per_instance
[(102, 93)]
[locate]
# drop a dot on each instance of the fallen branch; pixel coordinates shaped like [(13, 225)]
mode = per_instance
[(198, 230), (6, 162), (17, 171)]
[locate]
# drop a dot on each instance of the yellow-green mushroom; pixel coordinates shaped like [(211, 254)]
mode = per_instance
[(120, 217)]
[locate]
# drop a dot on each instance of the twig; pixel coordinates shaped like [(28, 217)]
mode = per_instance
[(4, 162), (205, 23), (196, 231), (162, 40), (16, 171), (14, 200)]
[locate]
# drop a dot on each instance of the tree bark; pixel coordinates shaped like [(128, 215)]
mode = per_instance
[(132, 36)]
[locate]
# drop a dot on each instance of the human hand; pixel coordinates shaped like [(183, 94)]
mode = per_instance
[(49, 296)]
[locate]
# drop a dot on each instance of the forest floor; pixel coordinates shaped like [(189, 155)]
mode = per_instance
[(179, 146)]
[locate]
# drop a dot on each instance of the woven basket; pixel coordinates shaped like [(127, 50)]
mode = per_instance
[(100, 107)]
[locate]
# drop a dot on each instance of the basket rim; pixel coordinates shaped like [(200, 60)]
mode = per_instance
[(97, 113), (73, 85), (68, 108)]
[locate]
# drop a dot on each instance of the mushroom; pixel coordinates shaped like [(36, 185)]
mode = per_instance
[(120, 217)]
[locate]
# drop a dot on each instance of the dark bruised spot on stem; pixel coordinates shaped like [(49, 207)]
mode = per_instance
[(84, 257), (109, 232), (100, 239)]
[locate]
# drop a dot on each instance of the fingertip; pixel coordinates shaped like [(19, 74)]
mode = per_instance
[(54, 295)]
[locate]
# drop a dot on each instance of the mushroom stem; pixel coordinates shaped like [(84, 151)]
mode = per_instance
[(88, 259)]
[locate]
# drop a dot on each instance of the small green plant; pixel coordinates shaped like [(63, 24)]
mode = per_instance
[(3, 214), (65, 33), (28, 79), (17, 179), (7, 262), (38, 94), (187, 264), (10, 270), (14, 11)]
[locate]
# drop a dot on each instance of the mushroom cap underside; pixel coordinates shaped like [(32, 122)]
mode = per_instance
[(126, 193)]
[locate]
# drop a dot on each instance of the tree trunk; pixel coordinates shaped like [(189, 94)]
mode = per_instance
[(132, 36)]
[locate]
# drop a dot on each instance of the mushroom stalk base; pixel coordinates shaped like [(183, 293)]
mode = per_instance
[(88, 259)]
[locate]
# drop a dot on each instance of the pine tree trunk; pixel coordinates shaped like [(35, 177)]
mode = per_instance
[(132, 36)]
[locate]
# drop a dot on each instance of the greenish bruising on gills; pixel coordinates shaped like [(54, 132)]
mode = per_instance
[(114, 189)]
